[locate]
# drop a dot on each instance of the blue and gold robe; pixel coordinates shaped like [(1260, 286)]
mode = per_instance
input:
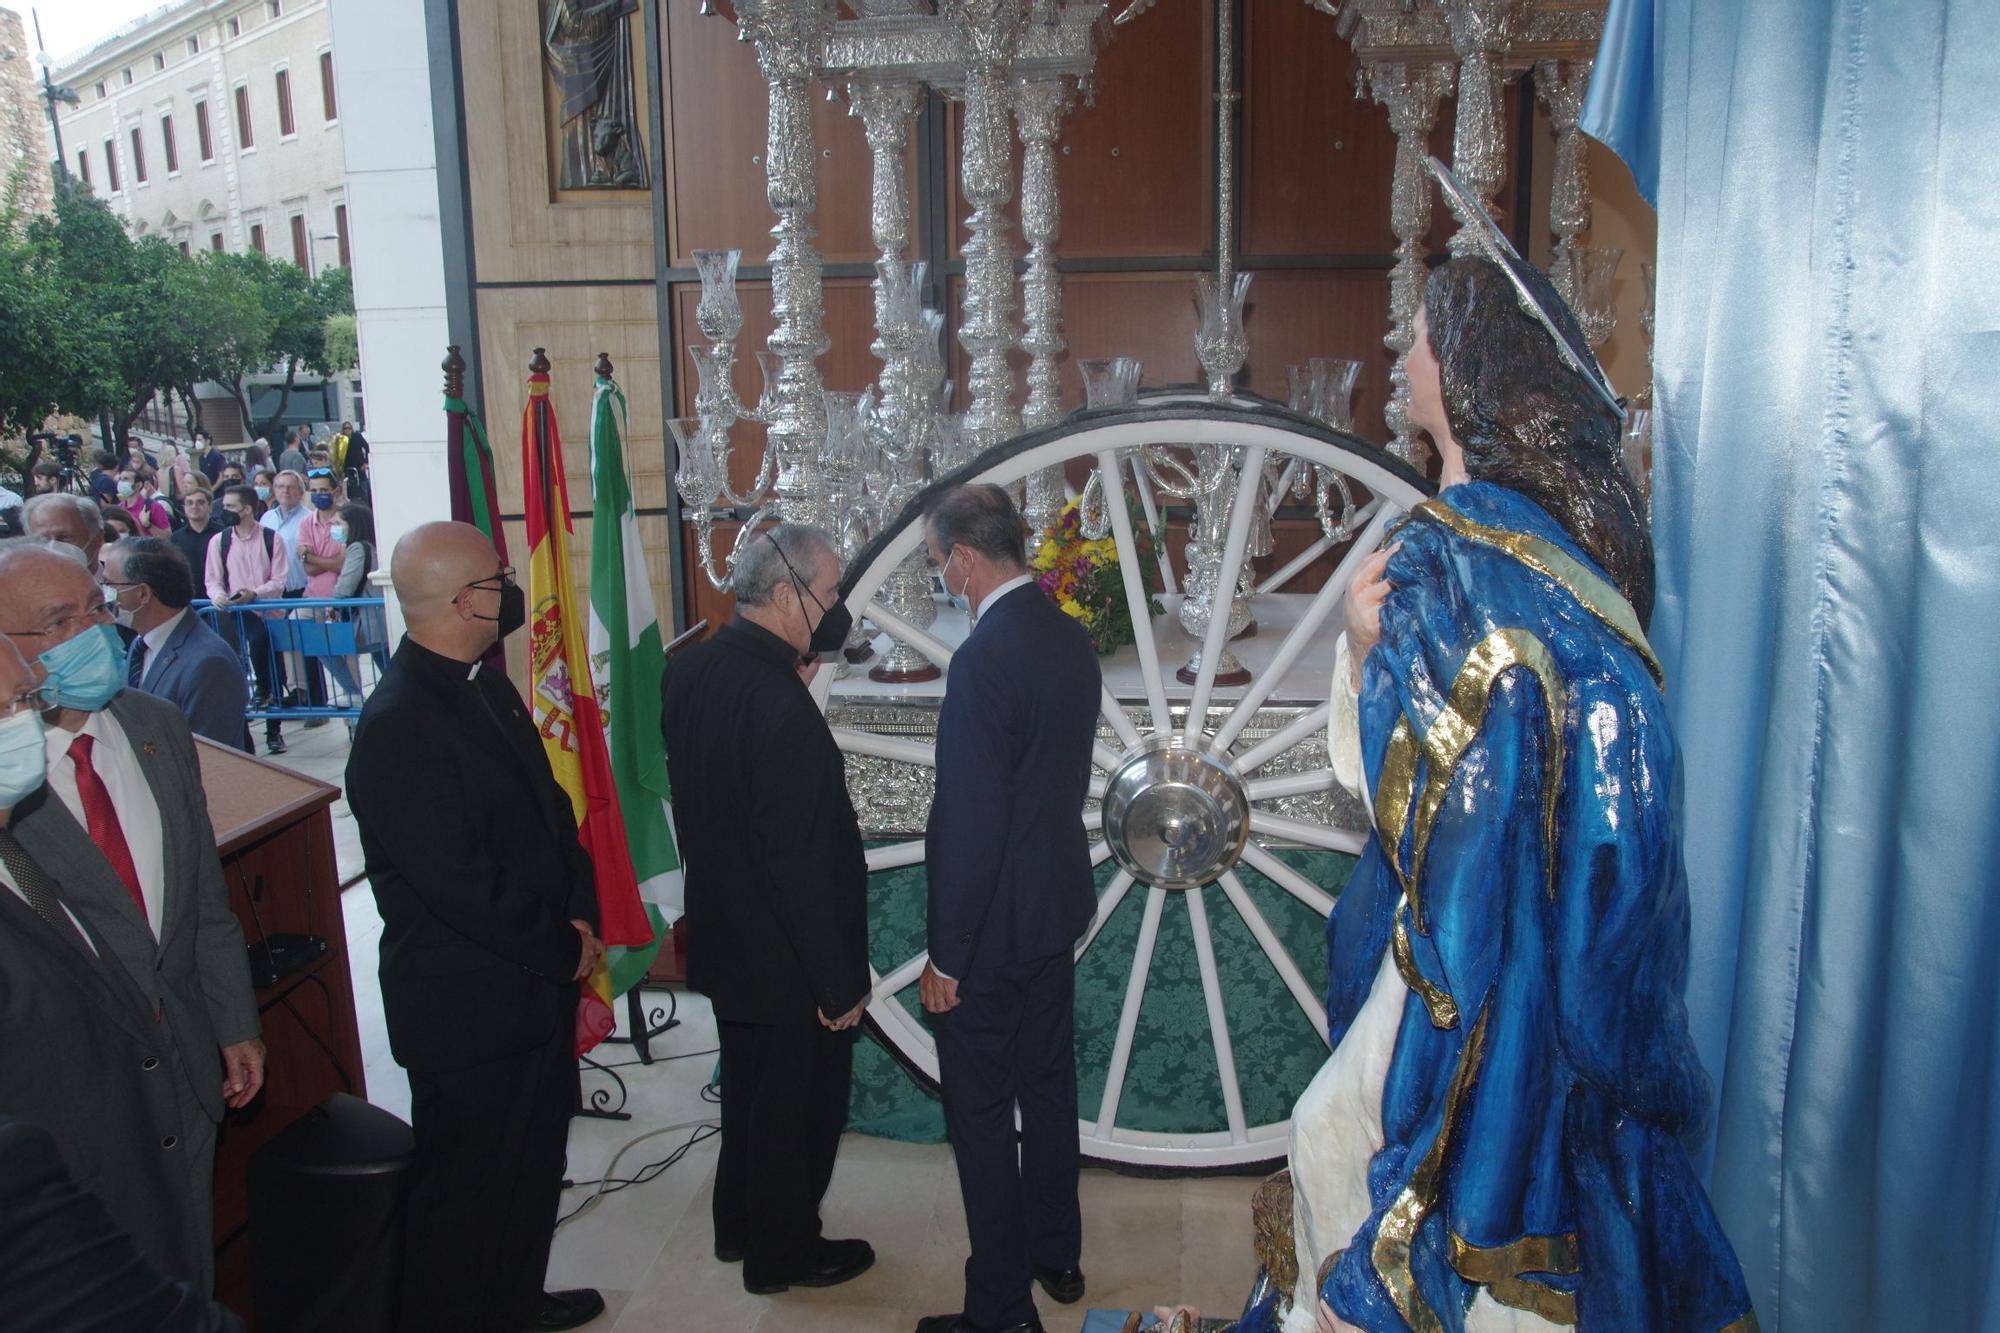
[(1525, 875)]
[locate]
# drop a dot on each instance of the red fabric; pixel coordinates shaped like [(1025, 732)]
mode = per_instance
[(102, 816)]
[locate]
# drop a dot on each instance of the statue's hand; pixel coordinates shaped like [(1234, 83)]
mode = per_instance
[(1365, 595)]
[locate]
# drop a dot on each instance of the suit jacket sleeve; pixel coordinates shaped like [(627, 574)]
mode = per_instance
[(220, 958), (68, 1265), (214, 699), (967, 845), (799, 807), (413, 803)]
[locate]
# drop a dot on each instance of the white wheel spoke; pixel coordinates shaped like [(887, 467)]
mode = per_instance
[(1308, 723), (1135, 590), (1267, 940), (1218, 1026), (1316, 612), (885, 747), (1288, 879), (1095, 791), (901, 977), (1105, 757), (1100, 851), (1107, 903), (1128, 1016), (1225, 587), (1297, 563), (1291, 784), (1093, 821), (896, 855), (898, 628), (1120, 720), (1326, 838), (1144, 485)]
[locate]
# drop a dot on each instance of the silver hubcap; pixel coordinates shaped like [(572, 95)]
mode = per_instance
[(1175, 817)]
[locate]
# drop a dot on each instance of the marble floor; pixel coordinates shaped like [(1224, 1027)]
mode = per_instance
[(648, 1247)]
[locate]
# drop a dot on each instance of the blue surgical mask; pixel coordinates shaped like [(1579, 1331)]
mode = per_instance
[(88, 671), (957, 599), (24, 759), (264, 494), (322, 500)]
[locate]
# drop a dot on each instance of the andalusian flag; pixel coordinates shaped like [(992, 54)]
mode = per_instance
[(626, 663), (567, 717)]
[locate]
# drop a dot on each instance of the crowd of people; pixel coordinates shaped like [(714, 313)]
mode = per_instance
[(167, 527)]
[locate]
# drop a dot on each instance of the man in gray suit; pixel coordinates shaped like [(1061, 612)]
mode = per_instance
[(122, 825), (80, 1053), (175, 655)]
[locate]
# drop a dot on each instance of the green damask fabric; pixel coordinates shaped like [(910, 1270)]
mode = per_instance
[(1171, 1084)]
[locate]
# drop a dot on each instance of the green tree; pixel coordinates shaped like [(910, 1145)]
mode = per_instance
[(53, 355)]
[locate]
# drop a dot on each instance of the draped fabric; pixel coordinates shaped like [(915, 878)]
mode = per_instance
[(1827, 374)]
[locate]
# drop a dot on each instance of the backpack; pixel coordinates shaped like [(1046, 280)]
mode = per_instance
[(270, 551)]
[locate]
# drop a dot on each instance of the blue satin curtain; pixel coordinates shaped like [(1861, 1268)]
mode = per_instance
[(1827, 369)]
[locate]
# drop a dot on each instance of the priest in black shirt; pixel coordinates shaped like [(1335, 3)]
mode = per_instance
[(777, 887)]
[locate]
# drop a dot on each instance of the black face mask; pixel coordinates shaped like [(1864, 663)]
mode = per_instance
[(835, 623), (513, 607)]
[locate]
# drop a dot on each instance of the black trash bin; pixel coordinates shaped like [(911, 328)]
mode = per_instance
[(326, 1220)]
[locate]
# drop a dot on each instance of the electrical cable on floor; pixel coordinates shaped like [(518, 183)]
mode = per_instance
[(610, 1183)]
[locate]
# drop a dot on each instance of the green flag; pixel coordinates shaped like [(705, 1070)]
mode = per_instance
[(626, 663)]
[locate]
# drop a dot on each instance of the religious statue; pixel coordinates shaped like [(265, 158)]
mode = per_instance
[(588, 45), (1497, 1140)]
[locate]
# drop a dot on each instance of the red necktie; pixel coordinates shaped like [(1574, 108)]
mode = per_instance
[(102, 816)]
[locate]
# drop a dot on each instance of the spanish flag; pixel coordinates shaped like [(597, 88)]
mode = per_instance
[(565, 706)]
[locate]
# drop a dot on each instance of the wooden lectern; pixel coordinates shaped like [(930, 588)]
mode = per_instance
[(274, 831)]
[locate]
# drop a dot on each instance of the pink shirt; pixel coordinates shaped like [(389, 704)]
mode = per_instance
[(149, 514), (249, 568), (316, 535)]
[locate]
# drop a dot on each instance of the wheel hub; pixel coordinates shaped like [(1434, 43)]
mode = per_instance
[(1175, 817)]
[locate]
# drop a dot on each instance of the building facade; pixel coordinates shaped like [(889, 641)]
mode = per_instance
[(24, 123), (216, 124)]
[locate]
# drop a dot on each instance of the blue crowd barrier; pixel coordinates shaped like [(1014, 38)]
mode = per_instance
[(304, 657)]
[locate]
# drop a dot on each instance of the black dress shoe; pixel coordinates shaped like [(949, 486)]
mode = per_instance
[(567, 1309), (725, 1254), (958, 1323), (1062, 1284), (833, 1262)]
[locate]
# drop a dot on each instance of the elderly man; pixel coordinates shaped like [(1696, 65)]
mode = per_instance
[(1011, 891), (176, 656), (489, 911), (122, 826), (776, 904), (80, 1054), (70, 519)]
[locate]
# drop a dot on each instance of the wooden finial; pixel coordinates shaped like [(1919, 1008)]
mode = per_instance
[(454, 372), (603, 366), (538, 364)]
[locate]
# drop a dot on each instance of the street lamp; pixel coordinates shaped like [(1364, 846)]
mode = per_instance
[(53, 95)]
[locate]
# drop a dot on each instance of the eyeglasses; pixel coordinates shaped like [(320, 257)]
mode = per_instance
[(39, 700), (102, 613), (504, 579)]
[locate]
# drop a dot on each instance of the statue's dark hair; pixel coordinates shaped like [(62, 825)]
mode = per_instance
[(1527, 421)]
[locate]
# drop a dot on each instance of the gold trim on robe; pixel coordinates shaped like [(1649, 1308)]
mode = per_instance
[(1398, 1229), (1592, 590)]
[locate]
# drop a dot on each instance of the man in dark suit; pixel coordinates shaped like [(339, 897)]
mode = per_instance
[(1011, 891), (777, 900), (489, 915), (80, 1051), (175, 655), (122, 826)]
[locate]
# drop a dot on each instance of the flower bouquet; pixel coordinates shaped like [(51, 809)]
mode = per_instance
[(1082, 576)]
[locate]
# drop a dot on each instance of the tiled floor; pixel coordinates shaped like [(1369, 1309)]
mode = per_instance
[(648, 1247)]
